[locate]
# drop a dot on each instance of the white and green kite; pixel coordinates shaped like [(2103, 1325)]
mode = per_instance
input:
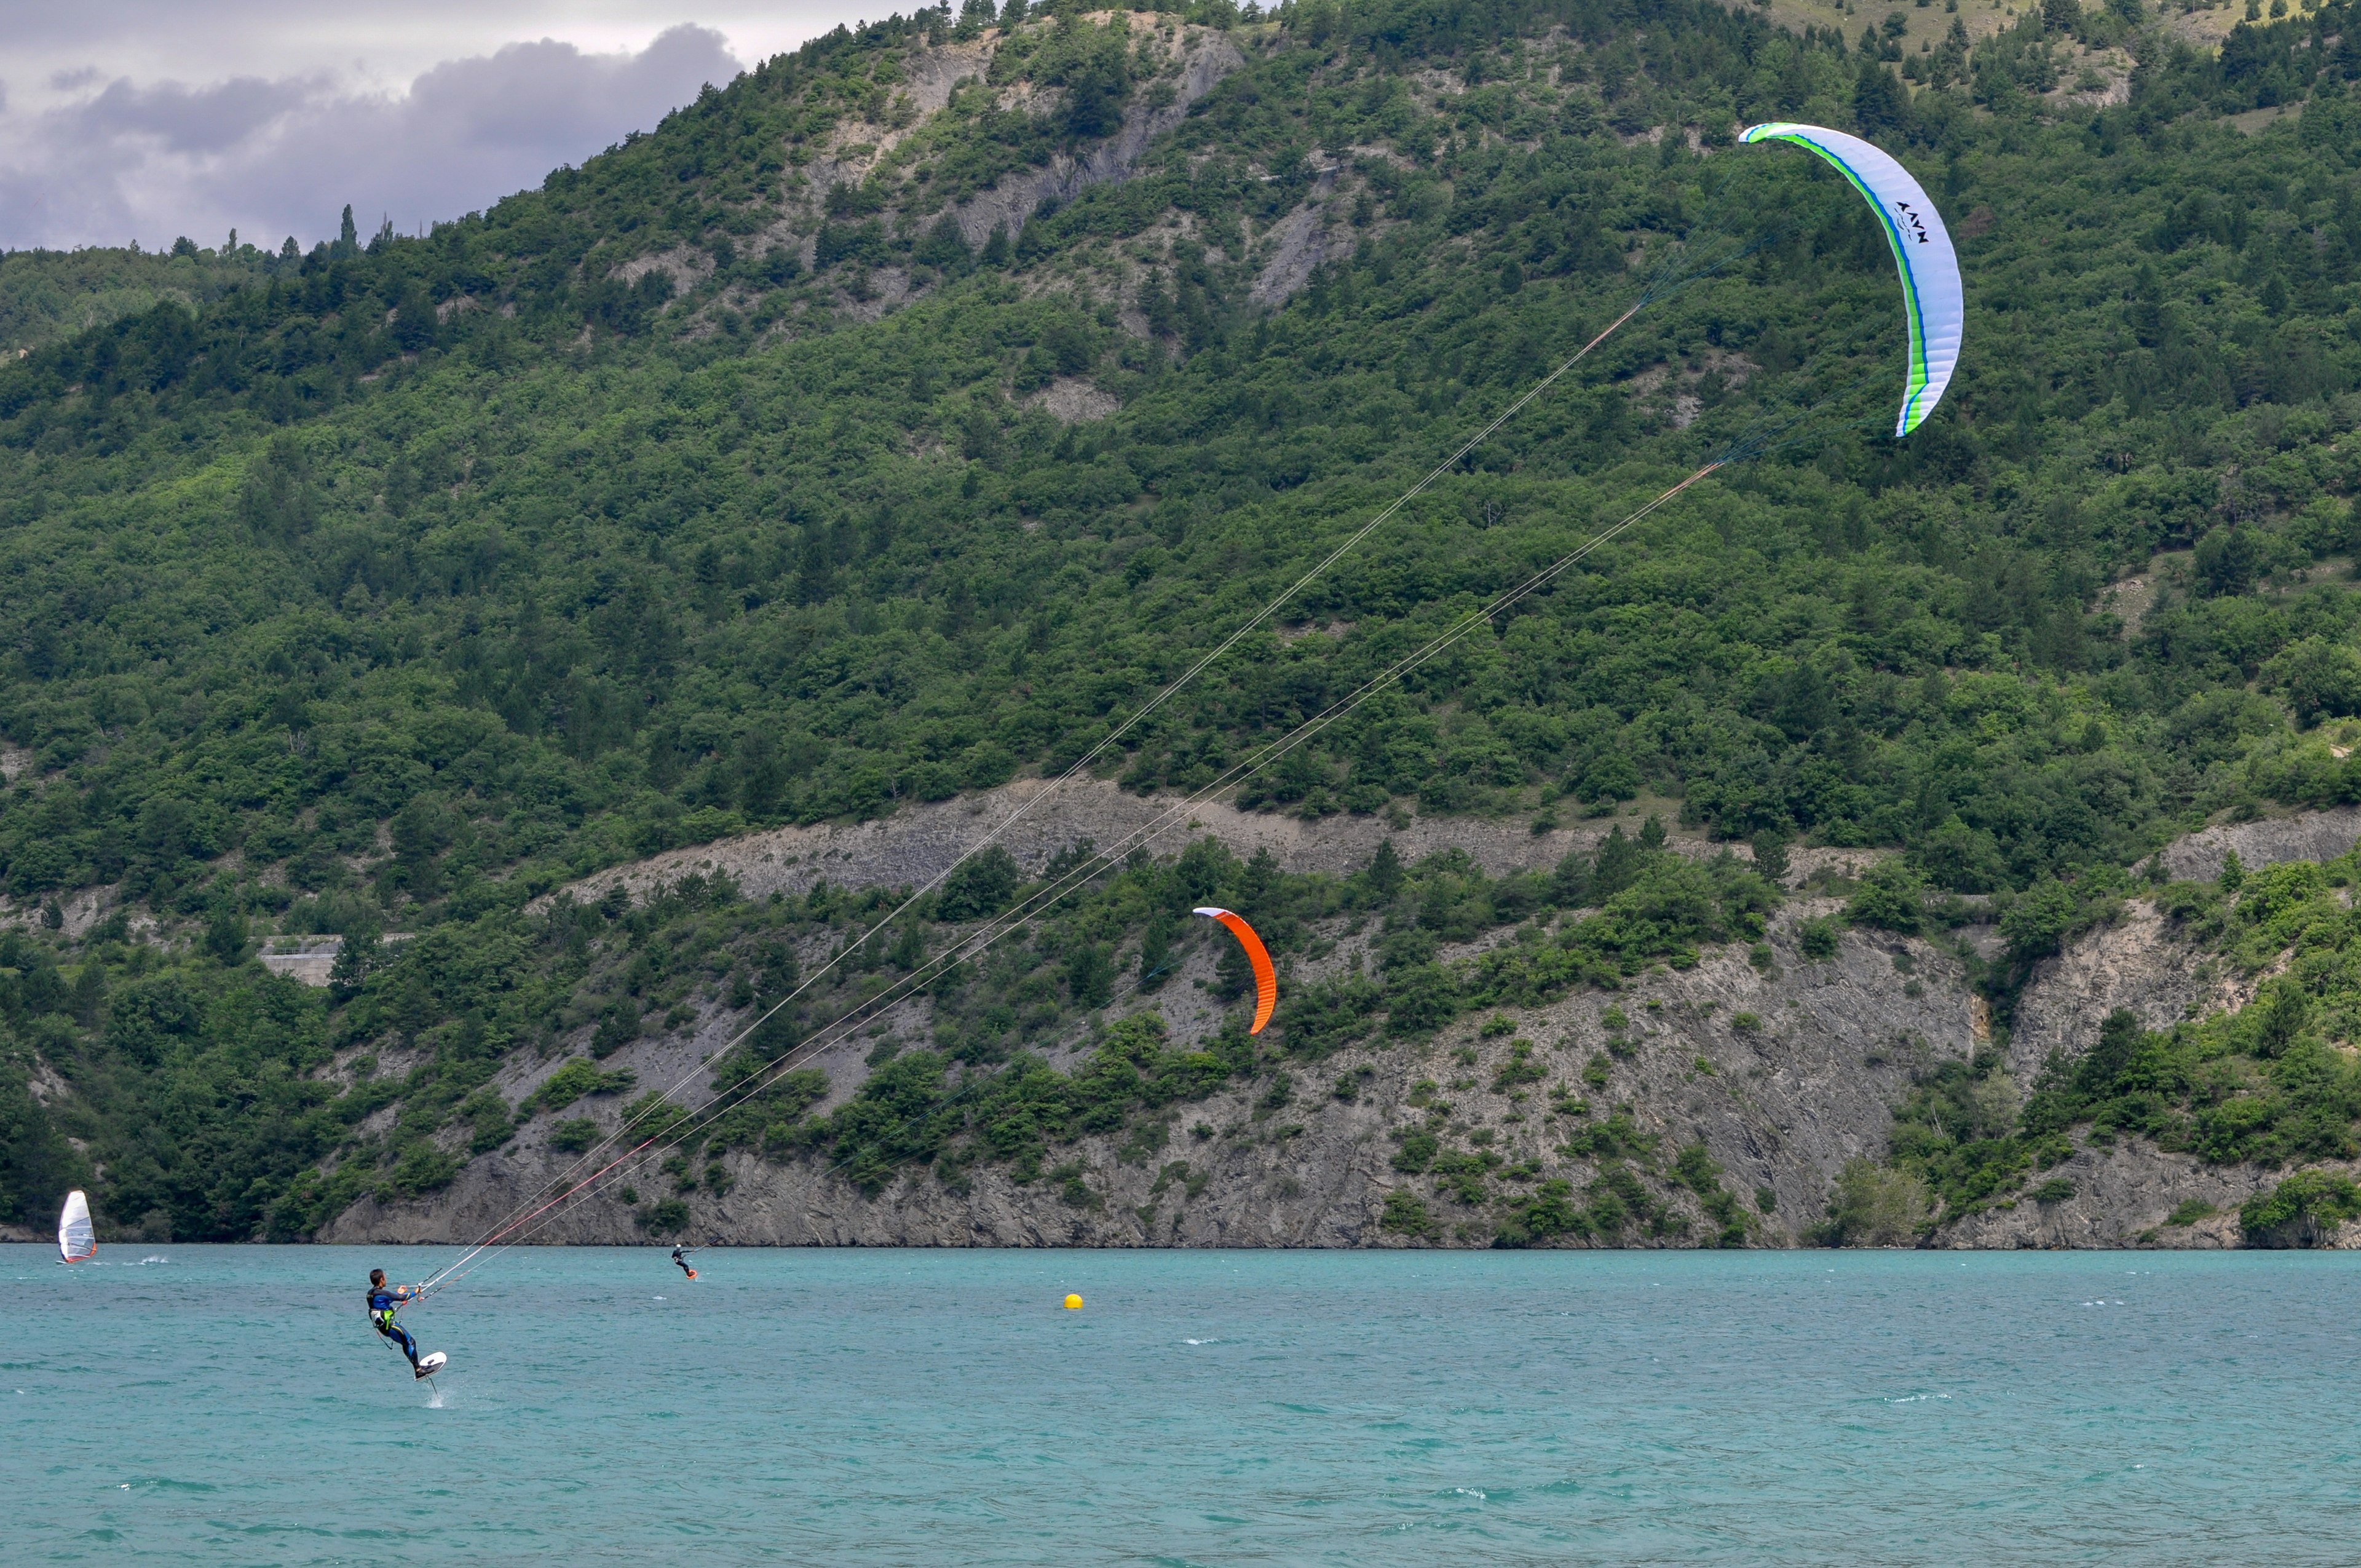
[(1931, 295)]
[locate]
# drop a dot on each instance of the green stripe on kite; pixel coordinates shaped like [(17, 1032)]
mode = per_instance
[(1934, 304)]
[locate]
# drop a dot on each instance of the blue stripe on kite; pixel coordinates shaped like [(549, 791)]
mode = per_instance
[(1920, 376)]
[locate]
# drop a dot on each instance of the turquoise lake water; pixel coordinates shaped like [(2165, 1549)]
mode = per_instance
[(230, 1405)]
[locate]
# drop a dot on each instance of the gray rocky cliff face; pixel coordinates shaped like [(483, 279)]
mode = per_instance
[(2305, 835), (2137, 962), (1204, 58), (1783, 1071), (2141, 963), (1034, 821), (1783, 1074), (2121, 1194)]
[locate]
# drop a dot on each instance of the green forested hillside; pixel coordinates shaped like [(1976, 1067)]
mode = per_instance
[(398, 587), (50, 295)]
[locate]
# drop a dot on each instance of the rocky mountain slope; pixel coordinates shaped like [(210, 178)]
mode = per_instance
[(896, 420), (1780, 1065)]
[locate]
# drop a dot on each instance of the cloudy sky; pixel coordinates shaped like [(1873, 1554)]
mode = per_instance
[(147, 119)]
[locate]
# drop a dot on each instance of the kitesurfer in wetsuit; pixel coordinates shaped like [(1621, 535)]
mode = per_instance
[(680, 1256), (384, 1300)]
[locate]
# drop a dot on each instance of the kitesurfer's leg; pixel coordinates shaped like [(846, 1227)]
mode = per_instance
[(401, 1336)]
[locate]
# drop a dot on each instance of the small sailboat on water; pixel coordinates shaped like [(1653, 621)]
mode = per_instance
[(77, 1241)]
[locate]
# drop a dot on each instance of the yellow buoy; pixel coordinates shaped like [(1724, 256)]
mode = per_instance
[(1073, 1303)]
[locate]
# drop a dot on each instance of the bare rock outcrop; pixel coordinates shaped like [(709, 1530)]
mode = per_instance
[(1205, 58), (2122, 1193), (2138, 961), (1035, 820), (1300, 243), (2305, 835)]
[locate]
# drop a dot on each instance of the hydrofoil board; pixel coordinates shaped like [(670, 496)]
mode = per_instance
[(431, 1362)]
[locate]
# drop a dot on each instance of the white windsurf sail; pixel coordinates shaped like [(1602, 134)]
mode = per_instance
[(76, 1240)]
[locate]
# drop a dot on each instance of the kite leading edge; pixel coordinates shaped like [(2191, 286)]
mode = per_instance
[(1932, 297), (1266, 978)]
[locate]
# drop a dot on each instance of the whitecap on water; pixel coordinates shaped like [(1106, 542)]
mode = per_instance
[(1200, 1342)]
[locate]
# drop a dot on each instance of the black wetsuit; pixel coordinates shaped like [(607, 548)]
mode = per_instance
[(680, 1257)]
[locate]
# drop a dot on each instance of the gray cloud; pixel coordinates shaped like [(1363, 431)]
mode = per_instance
[(280, 156), (201, 121)]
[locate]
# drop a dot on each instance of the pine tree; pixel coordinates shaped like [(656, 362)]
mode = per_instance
[(1618, 863), (355, 958), (1879, 106)]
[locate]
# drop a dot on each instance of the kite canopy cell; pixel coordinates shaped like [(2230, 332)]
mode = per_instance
[(1266, 978), (1931, 296)]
